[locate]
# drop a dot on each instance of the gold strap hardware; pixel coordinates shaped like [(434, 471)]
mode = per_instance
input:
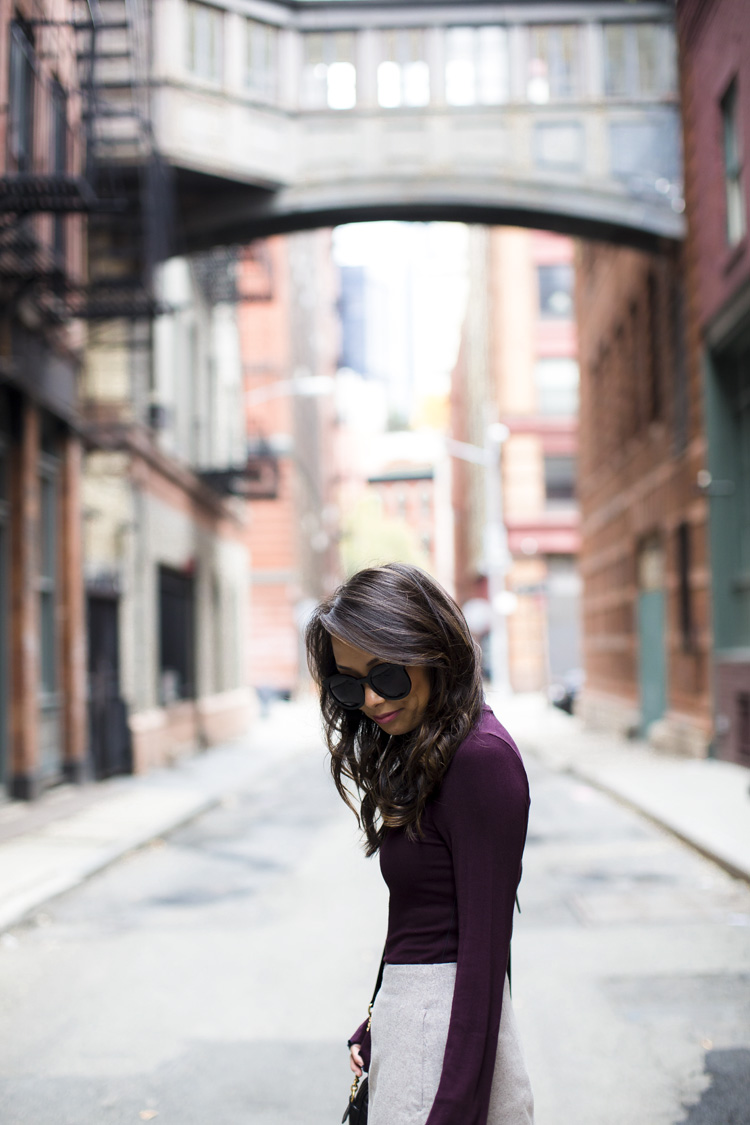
[(355, 1084)]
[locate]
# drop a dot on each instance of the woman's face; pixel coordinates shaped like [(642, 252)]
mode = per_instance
[(396, 716)]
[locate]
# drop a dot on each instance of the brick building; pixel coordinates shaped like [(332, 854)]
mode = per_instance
[(518, 364), (42, 269), (644, 562), (407, 495), (165, 553), (290, 343), (714, 44)]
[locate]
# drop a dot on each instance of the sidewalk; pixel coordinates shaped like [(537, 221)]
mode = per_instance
[(71, 833), (705, 802), (51, 846)]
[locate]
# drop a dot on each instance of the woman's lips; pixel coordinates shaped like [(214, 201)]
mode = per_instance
[(385, 718)]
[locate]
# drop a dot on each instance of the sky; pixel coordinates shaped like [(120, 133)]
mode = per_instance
[(419, 271)]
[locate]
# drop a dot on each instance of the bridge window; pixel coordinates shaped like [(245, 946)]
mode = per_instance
[(554, 53), (735, 201), (205, 41), (329, 76), (261, 60), (476, 66), (556, 380), (555, 291), (638, 60), (403, 74)]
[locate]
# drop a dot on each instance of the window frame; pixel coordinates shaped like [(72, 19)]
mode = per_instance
[(22, 75), (734, 194), (267, 90), (560, 502), (544, 311), (214, 75)]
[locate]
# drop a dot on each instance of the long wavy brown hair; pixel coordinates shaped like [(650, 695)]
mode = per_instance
[(400, 614)]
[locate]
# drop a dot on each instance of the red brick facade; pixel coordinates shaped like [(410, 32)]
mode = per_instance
[(714, 42), (644, 548)]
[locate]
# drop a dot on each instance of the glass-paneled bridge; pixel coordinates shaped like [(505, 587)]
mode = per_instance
[(279, 115)]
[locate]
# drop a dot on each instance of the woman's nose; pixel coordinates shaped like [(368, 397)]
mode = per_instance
[(372, 699)]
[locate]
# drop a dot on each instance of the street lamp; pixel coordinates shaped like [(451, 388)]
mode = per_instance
[(306, 386)]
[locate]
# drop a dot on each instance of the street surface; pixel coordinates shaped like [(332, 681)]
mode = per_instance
[(213, 977)]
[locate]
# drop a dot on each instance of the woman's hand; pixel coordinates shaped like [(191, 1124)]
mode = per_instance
[(355, 1059)]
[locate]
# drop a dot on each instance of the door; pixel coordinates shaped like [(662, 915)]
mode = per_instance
[(652, 657), (109, 734), (176, 635), (4, 616)]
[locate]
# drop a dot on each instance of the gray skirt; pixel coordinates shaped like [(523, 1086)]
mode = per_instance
[(409, 1031)]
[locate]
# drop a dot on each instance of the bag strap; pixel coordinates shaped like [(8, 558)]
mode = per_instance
[(378, 983)]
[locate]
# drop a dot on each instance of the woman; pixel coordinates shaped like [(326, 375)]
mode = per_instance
[(444, 799)]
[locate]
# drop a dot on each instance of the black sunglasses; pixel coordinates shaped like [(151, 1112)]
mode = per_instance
[(389, 681)]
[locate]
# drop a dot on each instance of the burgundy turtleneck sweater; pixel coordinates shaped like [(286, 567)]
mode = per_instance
[(452, 894)]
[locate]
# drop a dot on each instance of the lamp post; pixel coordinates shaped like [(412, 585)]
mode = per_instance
[(306, 386), (496, 557)]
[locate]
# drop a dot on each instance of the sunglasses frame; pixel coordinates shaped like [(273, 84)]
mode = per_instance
[(362, 680)]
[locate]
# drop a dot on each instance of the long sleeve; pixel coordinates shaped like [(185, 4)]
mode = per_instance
[(483, 814), (362, 1036)]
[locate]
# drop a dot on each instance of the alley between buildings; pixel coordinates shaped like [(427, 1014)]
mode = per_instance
[(216, 974)]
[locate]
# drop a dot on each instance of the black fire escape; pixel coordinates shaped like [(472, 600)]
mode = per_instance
[(97, 158)]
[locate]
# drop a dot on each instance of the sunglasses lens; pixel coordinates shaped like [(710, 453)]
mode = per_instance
[(347, 691), (391, 681)]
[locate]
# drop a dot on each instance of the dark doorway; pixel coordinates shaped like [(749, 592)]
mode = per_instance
[(176, 635), (4, 616), (109, 735)]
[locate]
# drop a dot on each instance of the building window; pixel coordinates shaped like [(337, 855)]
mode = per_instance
[(403, 73), (476, 66), (59, 158), (683, 579), (556, 380), (554, 57), (329, 76), (176, 635), (47, 555), (555, 291), (639, 60), (261, 54), (21, 97), (559, 480), (681, 389), (735, 199), (653, 359), (743, 727), (205, 41)]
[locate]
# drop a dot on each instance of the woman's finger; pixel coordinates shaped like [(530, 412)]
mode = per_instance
[(355, 1060)]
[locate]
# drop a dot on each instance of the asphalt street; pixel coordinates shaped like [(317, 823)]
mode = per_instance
[(214, 976)]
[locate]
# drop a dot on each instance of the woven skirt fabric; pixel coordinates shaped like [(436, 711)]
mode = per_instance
[(409, 1031)]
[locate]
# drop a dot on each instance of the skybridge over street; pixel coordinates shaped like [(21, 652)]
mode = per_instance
[(274, 116)]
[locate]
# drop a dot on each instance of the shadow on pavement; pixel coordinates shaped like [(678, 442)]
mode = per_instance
[(727, 1100)]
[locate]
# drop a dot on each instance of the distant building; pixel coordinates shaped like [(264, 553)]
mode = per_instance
[(289, 338), (518, 365), (353, 312), (714, 42), (407, 495)]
